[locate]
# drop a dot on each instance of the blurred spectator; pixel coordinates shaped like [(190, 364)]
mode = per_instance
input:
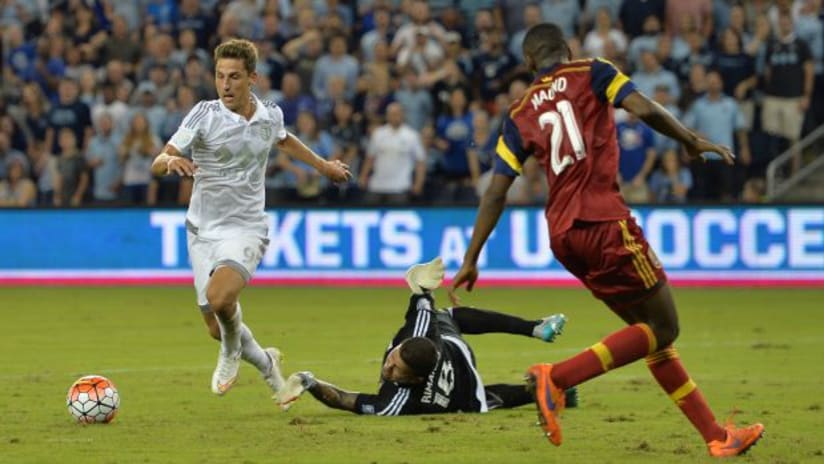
[(159, 48), (698, 53), (647, 41), (716, 116), (652, 74), (531, 16), (591, 9), (294, 101), (44, 169), (7, 153), (564, 13), (121, 45), (145, 102), (138, 148), (335, 91), (423, 54), (103, 160), (810, 29), (72, 178), (16, 189), (335, 63), (35, 121), (461, 168), (634, 13), (188, 47), (109, 104), (300, 178), (421, 24), (191, 16), (199, 79), (347, 135), (672, 181), (662, 97), (738, 69), (603, 33), (395, 164), (788, 86), (415, 100), (373, 95), (697, 12), (69, 113), (381, 33), (636, 145), (492, 65), (696, 86)]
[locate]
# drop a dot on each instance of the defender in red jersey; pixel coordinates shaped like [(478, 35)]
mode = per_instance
[(565, 121)]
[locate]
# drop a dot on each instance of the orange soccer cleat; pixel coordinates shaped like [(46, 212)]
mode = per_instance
[(738, 441), (549, 400)]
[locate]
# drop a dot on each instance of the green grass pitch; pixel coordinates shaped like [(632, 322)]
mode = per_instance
[(756, 351)]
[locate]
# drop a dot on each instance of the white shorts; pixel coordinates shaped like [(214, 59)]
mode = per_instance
[(241, 253)]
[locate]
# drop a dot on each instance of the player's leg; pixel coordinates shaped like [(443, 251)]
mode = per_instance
[(505, 396), (222, 294), (668, 370), (475, 321), (265, 360)]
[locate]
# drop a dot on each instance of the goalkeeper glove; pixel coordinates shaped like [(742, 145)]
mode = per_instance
[(295, 385)]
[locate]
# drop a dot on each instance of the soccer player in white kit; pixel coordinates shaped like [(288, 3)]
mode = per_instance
[(230, 140)]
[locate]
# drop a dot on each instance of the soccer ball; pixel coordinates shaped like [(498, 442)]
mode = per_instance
[(93, 399)]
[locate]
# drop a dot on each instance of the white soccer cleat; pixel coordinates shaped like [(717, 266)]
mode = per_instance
[(425, 277), (225, 375), (273, 377)]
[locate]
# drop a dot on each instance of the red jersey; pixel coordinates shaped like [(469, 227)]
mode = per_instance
[(565, 120)]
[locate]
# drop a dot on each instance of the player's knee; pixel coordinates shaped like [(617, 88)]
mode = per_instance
[(666, 333), (219, 299)]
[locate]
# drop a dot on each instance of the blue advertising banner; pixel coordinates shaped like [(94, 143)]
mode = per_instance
[(706, 246)]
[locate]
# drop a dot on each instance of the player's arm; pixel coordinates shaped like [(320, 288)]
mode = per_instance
[(335, 170), (510, 157), (326, 393), (658, 118), (171, 160)]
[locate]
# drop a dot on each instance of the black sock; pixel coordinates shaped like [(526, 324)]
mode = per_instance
[(479, 321), (503, 395)]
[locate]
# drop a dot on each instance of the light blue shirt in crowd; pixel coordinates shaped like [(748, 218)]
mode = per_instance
[(105, 149), (810, 30), (646, 82), (564, 13), (327, 66), (717, 120)]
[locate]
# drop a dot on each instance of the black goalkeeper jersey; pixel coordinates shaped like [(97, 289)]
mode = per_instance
[(453, 385)]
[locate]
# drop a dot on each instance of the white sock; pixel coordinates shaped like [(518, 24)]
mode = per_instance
[(251, 351), (230, 332)]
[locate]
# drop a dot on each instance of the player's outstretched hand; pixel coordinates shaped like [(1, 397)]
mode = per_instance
[(468, 274), (181, 166), (701, 145), (336, 171), (294, 387)]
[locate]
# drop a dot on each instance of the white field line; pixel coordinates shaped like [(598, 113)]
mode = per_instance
[(550, 350)]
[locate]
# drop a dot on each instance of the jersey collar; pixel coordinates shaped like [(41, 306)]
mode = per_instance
[(544, 71), (259, 114)]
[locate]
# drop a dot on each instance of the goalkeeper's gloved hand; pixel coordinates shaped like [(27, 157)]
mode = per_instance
[(295, 385)]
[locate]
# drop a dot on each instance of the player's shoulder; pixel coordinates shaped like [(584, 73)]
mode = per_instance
[(274, 111), (201, 113)]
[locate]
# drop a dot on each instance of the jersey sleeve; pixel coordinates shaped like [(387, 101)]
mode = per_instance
[(509, 152), (279, 125), (190, 128), (608, 83), (391, 400)]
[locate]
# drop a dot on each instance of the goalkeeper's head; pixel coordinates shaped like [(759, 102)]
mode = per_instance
[(411, 361)]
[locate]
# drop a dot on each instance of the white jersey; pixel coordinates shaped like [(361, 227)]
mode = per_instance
[(231, 155)]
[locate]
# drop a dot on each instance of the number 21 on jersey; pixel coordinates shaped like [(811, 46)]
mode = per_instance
[(563, 121)]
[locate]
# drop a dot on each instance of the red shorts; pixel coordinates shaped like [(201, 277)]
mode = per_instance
[(613, 259)]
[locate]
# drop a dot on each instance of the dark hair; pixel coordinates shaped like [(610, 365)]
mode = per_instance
[(420, 354), (545, 41)]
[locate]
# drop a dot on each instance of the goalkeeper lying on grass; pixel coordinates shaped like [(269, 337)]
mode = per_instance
[(429, 368)]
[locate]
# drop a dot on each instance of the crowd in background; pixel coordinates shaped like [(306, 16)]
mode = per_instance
[(411, 94)]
